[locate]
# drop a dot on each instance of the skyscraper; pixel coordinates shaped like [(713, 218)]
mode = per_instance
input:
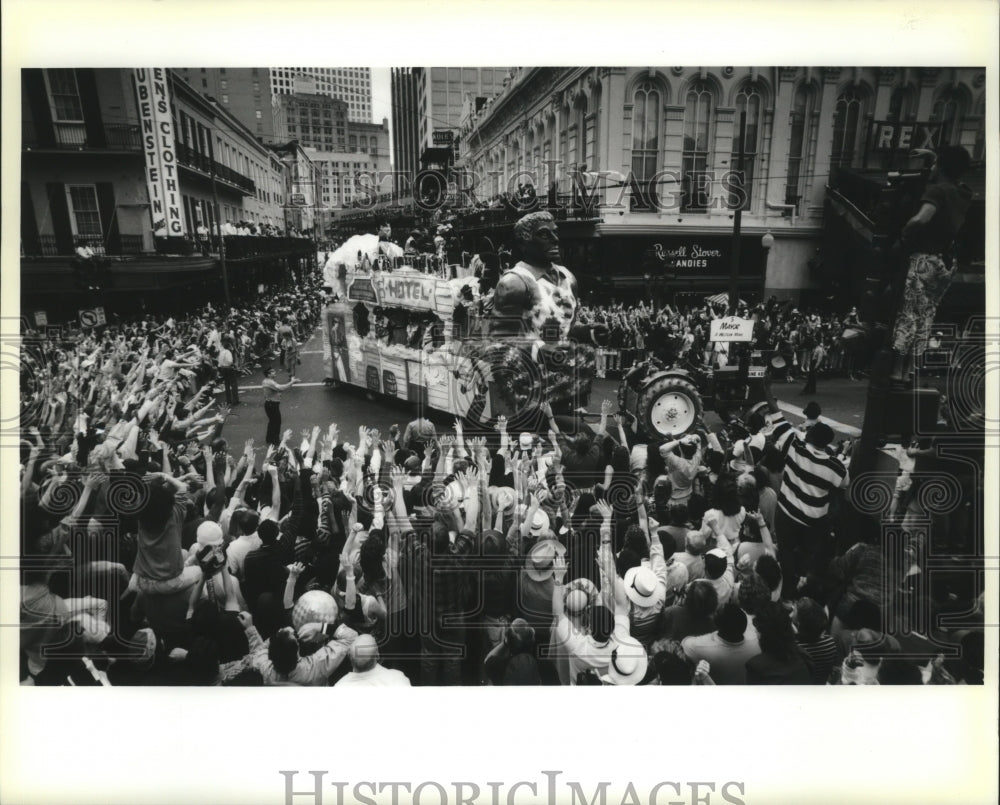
[(352, 85), (429, 99)]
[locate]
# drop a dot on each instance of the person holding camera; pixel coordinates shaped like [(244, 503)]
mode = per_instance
[(683, 458), (928, 239)]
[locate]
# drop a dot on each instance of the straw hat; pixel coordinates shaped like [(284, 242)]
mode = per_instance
[(541, 558)]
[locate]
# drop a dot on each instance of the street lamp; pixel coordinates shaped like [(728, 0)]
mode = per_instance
[(766, 242)]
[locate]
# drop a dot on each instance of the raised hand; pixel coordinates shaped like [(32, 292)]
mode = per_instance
[(295, 569), (248, 447), (501, 425), (286, 436), (606, 406), (605, 509)]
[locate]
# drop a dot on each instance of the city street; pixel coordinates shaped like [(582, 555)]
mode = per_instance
[(310, 402)]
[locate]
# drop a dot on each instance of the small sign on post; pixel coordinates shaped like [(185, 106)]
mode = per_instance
[(41, 318), (88, 318), (731, 328)]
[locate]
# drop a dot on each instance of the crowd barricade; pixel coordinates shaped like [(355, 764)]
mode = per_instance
[(615, 362)]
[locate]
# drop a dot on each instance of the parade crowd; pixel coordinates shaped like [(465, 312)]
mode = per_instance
[(155, 552), (806, 340)]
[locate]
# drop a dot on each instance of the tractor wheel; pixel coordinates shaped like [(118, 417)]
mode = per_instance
[(670, 406)]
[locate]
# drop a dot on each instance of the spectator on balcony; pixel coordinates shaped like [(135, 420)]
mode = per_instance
[(202, 233), (229, 229)]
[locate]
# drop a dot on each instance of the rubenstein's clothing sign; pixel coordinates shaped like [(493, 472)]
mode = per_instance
[(153, 94)]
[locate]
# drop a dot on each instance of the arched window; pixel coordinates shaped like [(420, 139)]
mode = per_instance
[(593, 153), (948, 112), (581, 135), (798, 150), (698, 112), (979, 149), (902, 105), (748, 101), (646, 105), (847, 127), (564, 166)]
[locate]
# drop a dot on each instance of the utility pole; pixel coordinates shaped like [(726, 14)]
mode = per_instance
[(218, 221), (734, 265)]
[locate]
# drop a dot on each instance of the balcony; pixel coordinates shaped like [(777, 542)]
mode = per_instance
[(189, 158), (47, 246), (74, 137)]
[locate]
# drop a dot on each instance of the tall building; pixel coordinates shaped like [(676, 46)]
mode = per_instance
[(243, 91), (405, 124), (315, 120), (353, 85), (426, 100)]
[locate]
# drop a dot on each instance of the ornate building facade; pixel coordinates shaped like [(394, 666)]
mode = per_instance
[(658, 147)]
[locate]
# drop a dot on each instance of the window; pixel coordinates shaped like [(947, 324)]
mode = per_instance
[(256, 86), (948, 112), (646, 107), (86, 216), (847, 128), (901, 105), (801, 136), (223, 84), (979, 148), (748, 101), (258, 114), (64, 95), (697, 138), (225, 99)]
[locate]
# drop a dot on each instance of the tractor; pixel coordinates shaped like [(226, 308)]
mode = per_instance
[(670, 402)]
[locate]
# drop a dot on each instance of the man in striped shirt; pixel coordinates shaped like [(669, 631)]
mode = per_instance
[(810, 476)]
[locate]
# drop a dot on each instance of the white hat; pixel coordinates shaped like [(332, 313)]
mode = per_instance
[(540, 523), (642, 587), (541, 558), (628, 662), (209, 533), (503, 497), (580, 593)]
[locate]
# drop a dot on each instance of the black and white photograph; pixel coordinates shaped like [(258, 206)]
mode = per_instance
[(491, 375)]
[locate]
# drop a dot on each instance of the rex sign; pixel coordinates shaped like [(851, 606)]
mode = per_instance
[(156, 122), (886, 135)]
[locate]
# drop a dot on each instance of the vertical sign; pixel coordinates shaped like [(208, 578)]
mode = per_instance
[(158, 146)]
